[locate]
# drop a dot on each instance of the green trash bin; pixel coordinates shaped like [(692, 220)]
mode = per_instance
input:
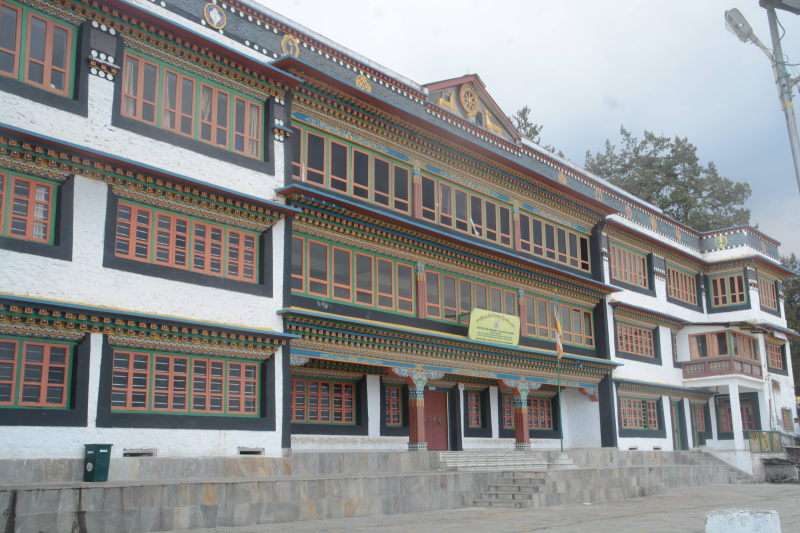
[(95, 462)]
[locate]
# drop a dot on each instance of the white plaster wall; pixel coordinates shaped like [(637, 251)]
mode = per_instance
[(580, 420), (348, 442), (37, 442), (84, 279), (97, 133)]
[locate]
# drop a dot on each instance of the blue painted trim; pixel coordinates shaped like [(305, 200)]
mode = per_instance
[(113, 311), (166, 173)]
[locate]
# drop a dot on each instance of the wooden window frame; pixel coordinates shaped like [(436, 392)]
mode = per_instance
[(638, 413), (130, 372), (635, 340), (507, 411), (721, 293), (533, 326), (16, 51), (393, 406), (232, 131), (786, 419), (681, 285), (326, 282), (350, 270), (9, 197), (540, 413), (243, 380), (628, 266), (392, 284), (331, 402), (47, 64), (170, 375), (725, 414), (775, 356), (768, 293), (474, 414), (699, 414), (244, 255), (737, 341), (19, 364), (533, 240)]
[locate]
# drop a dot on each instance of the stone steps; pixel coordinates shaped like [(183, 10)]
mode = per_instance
[(492, 461)]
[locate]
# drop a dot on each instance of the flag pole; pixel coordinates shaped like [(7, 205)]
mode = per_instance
[(559, 352)]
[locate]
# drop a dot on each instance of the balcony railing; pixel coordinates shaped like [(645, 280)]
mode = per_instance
[(718, 366), (764, 441)]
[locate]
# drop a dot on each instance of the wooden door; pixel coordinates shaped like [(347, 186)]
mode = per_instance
[(676, 426), (436, 427)]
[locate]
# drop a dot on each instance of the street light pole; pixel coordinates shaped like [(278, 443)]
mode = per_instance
[(784, 86)]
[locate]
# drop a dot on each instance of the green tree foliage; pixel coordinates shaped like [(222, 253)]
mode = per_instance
[(791, 303), (523, 121), (667, 173)]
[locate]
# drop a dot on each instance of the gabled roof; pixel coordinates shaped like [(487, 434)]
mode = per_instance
[(467, 97)]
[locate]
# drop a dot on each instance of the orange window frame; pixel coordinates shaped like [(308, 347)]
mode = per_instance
[(34, 205), (242, 385), (48, 370), (243, 129), (338, 286), (699, 418), (217, 125), (507, 411), (177, 110), (124, 380), (298, 270), (321, 282), (449, 306), (428, 212), (13, 52), (208, 244), (171, 377), (365, 288), (209, 385), (635, 340), (336, 182), (401, 197), (775, 356), (681, 286), (171, 240), (405, 304), (540, 413), (137, 98), (728, 290), (433, 297), (47, 63), (767, 293), (628, 267), (241, 252), (382, 295), (135, 226), (383, 198), (393, 413), (474, 415)]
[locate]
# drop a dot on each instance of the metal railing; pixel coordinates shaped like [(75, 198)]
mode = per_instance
[(764, 441)]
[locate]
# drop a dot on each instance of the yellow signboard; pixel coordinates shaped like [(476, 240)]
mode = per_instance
[(489, 326)]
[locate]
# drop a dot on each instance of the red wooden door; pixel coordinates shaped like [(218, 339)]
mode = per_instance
[(436, 420)]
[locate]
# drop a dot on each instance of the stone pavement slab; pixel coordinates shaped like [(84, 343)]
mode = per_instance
[(678, 511)]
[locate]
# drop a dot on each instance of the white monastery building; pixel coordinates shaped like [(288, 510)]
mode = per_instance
[(222, 233)]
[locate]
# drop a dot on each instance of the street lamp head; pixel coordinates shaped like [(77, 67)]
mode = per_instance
[(738, 25)]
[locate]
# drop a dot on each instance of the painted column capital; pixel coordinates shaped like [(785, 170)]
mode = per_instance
[(521, 388), (416, 378)]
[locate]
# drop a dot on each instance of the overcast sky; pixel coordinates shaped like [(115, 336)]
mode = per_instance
[(586, 67)]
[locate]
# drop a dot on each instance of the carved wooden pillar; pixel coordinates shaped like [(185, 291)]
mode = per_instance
[(521, 430), (416, 414), (422, 291)]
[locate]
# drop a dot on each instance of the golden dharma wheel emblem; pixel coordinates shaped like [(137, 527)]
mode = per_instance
[(653, 223), (678, 234), (469, 99), (628, 211), (362, 82), (598, 194), (562, 178), (721, 241), (290, 45), (214, 16)]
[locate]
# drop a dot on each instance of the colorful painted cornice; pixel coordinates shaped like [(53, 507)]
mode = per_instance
[(340, 338), (623, 310), (54, 319), (651, 389), (28, 152)]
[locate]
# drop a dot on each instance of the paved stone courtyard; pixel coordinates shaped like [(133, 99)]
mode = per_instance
[(678, 511)]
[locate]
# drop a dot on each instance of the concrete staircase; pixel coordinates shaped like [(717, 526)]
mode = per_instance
[(608, 476), (492, 460)]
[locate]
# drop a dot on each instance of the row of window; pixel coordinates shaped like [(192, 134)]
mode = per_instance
[(723, 344), (540, 412), (34, 374), (157, 382), (323, 402), (155, 236), (726, 419), (322, 269), (349, 169), (170, 99)]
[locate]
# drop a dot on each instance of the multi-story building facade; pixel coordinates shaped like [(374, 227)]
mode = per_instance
[(224, 233)]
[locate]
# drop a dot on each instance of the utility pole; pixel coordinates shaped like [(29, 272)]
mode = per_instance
[(784, 85)]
